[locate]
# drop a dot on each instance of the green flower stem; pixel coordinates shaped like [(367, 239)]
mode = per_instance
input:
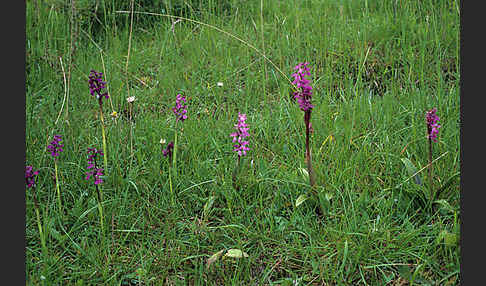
[(229, 204), (41, 233), (39, 225), (57, 188), (174, 165), (105, 160), (100, 209), (170, 186), (235, 182), (308, 158), (431, 171), (235, 174), (175, 152)]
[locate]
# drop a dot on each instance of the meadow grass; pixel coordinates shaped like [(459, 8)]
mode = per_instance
[(377, 67)]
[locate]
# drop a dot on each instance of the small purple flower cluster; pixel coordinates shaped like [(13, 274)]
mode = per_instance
[(55, 147), (168, 150), (95, 172), (180, 110), (96, 85), (30, 176), (432, 124), (240, 134), (304, 95)]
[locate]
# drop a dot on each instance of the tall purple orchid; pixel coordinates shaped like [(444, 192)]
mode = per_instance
[(304, 97), (180, 112), (55, 147), (96, 88), (30, 175), (241, 146), (96, 173)]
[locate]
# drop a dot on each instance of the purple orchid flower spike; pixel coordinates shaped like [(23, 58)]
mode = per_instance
[(93, 170), (168, 150), (55, 147), (241, 132), (432, 124), (304, 95), (30, 176), (180, 110), (96, 85)]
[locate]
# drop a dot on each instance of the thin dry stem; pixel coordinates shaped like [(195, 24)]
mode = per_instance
[(264, 74), (423, 168), (219, 30), (108, 87), (126, 77), (65, 90)]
